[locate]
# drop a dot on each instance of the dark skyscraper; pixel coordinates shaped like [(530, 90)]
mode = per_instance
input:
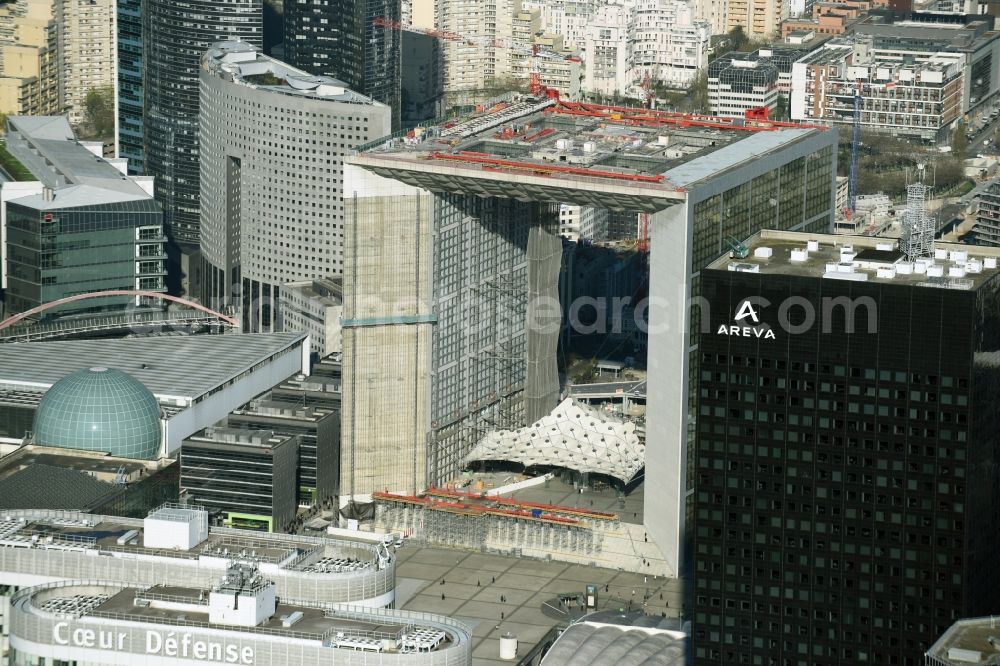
[(847, 495), (129, 84), (175, 35), (338, 38)]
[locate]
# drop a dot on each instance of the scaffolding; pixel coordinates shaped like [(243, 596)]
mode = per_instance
[(505, 526), (917, 234)]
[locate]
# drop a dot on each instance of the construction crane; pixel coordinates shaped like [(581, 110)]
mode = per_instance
[(852, 178), (642, 243)]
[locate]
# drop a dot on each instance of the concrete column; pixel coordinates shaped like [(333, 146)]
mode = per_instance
[(387, 325), (667, 387)]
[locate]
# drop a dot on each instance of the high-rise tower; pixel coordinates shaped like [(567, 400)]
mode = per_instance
[(175, 35), (338, 38), (271, 175), (128, 86), (846, 495)]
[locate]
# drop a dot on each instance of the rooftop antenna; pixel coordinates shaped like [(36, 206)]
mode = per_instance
[(917, 233)]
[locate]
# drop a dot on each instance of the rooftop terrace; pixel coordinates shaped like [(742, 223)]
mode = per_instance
[(601, 151), (244, 64), (71, 530), (192, 607), (863, 259), (967, 643)]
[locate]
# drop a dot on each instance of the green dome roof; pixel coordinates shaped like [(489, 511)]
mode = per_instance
[(100, 409)]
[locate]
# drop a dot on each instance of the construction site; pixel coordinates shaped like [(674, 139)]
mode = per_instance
[(452, 309)]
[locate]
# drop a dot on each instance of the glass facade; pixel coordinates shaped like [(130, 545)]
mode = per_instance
[(338, 38), (846, 504), (54, 253), (254, 483), (175, 35), (318, 434), (100, 409), (130, 84), (797, 196)]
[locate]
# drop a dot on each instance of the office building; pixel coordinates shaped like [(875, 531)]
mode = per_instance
[(916, 98), (583, 223), (314, 307), (128, 85), (175, 545), (41, 477), (846, 504), (436, 346), (317, 428), (741, 81), (274, 138), (90, 229), (340, 40), (156, 390), (175, 36), (827, 18), (968, 641), (239, 618), (420, 78), (321, 388), (987, 227), (247, 476), (916, 37)]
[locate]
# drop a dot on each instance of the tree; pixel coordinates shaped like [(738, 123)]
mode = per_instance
[(781, 108), (738, 39), (99, 112), (959, 142), (698, 93)]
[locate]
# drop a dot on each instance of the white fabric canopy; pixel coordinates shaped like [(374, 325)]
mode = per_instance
[(573, 435)]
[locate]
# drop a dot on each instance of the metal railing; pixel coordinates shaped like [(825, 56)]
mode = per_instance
[(111, 322)]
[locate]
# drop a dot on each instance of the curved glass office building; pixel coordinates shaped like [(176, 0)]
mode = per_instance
[(274, 140), (175, 35)]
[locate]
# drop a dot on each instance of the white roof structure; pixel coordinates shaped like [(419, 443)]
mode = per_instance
[(573, 435)]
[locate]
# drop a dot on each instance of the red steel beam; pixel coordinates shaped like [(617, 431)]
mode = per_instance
[(478, 158), (631, 115)]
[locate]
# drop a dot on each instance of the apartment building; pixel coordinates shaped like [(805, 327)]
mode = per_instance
[(29, 83), (758, 18), (472, 70), (666, 42), (606, 71), (86, 51)]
